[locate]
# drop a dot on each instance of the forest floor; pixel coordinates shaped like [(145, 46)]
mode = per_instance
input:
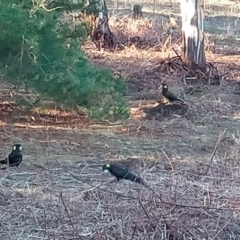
[(191, 164)]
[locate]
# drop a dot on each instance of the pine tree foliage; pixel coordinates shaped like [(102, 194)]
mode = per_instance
[(40, 51)]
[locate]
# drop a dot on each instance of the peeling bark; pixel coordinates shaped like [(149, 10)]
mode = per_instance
[(193, 33)]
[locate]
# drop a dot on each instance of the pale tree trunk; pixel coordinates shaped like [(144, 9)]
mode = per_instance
[(193, 33)]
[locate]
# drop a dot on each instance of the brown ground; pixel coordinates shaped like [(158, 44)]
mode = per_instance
[(59, 192)]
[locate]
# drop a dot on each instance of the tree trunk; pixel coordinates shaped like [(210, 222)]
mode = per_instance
[(103, 33), (193, 34), (102, 9)]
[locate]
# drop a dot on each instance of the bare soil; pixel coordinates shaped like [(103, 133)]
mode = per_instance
[(190, 164)]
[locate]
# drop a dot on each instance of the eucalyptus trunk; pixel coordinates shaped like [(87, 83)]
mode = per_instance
[(193, 33)]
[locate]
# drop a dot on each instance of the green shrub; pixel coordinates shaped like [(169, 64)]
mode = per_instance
[(41, 52)]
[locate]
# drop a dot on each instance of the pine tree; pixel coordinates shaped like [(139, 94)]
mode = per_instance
[(39, 50)]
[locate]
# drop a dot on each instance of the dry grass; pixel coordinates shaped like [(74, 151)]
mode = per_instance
[(69, 202), (191, 165)]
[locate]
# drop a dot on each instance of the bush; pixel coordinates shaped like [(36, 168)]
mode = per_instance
[(41, 52)]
